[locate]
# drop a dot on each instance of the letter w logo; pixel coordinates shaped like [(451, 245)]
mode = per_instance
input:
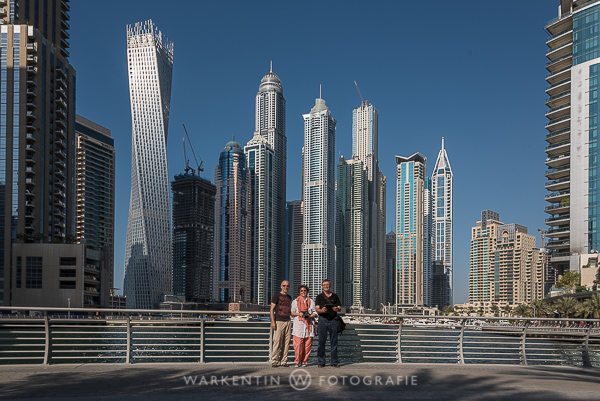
[(300, 379)]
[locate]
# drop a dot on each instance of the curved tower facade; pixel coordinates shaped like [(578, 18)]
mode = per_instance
[(270, 124), (148, 262)]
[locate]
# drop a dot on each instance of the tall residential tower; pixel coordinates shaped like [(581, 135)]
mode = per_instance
[(37, 132), (442, 181), (270, 124), (148, 256), (573, 165), (318, 196)]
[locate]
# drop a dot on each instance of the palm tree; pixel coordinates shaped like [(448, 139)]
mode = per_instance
[(495, 309), (448, 310), (566, 306), (540, 308), (523, 310), (591, 307), (507, 310)]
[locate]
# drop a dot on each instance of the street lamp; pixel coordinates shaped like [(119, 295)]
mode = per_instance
[(69, 306)]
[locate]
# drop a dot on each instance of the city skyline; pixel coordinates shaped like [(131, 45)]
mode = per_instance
[(467, 112)]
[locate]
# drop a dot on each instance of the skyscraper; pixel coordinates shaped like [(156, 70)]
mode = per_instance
[(96, 199), (233, 213), (483, 247), (270, 124), (351, 234), (318, 196), (361, 214), (293, 245), (148, 255), (266, 274), (193, 237), (37, 129), (442, 181), (572, 152), (410, 212)]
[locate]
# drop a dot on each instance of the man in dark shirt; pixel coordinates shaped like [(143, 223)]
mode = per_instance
[(328, 305), (281, 309)]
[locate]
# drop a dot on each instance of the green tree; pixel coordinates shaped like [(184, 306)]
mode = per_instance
[(507, 310), (591, 307), (567, 306), (570, 279), (448, 310), (495, 309), (523, 310), (540, 308)]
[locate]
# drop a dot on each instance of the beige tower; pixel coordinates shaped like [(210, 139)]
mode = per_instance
[(483, 245)]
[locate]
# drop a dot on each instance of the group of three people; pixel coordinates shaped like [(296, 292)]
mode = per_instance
[(304, 311)]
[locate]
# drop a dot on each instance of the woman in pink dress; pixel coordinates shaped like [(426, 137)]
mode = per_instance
[(303, 326)]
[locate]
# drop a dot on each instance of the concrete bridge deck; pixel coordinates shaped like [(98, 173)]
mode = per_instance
[(233, 381)]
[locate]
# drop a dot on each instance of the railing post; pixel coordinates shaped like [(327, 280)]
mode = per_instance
[(399, 341), (47, 338), (202, 339), (461, 337), (523, 344), (128, 352), (586, 350)]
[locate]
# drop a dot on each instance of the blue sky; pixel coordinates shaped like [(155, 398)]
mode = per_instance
[(472, 73)]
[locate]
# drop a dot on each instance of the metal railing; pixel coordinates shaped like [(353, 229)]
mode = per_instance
[(54, 336)]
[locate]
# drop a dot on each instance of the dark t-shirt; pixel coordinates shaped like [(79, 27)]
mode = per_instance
[(283, 308), (323, 300)]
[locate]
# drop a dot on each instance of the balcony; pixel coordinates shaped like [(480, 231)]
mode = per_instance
[(560, 38), (31, 92), (559, 99), (30, 170), (30, 192), (559, 111), (558, 220), (30, 181), (558, 232), (559, 172), (557, 208), (31, 47), (31, 114), (59, 183), (559, 63), (31, 59), (59, 203), (560, 24), (558, 76), (30, 159), (61, 83), (29, 203), (61, 112), (60, 163), (558, 136), (59, 193), (60, 143), (556, 53), (59, 172), (30, 148), (60, 133), (31, 69), (560, 160), (559, 147), (61, 122), (557, 196), (558, 244)]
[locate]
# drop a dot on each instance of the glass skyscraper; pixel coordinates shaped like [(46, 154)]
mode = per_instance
[(37, 131), (233, 227), (318, 196), (148, 256), (573, 164), (442, 181)]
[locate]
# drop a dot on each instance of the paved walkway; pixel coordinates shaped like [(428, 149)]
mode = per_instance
[(228, 381)]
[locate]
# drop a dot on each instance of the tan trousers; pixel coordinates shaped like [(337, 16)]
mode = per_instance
[(281, 342)]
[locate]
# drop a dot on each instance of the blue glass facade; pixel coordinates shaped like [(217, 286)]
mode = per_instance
[(586, 35), (594, 165)]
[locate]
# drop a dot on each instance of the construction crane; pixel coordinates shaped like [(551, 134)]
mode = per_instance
[(199, 166), (187, 161), (361, 98)]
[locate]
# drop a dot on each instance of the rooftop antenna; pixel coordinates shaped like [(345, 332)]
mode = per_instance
[(200, 168), (271, 66), (442, 142), (361, 98), (319, 91)]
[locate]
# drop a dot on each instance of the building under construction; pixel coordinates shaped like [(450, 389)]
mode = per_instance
[(193, 232)]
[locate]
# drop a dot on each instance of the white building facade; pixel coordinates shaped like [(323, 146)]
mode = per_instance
[(318, 196), (442, 180), (148, 255)]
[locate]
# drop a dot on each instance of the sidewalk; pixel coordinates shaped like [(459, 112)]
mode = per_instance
[(228, 381)]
